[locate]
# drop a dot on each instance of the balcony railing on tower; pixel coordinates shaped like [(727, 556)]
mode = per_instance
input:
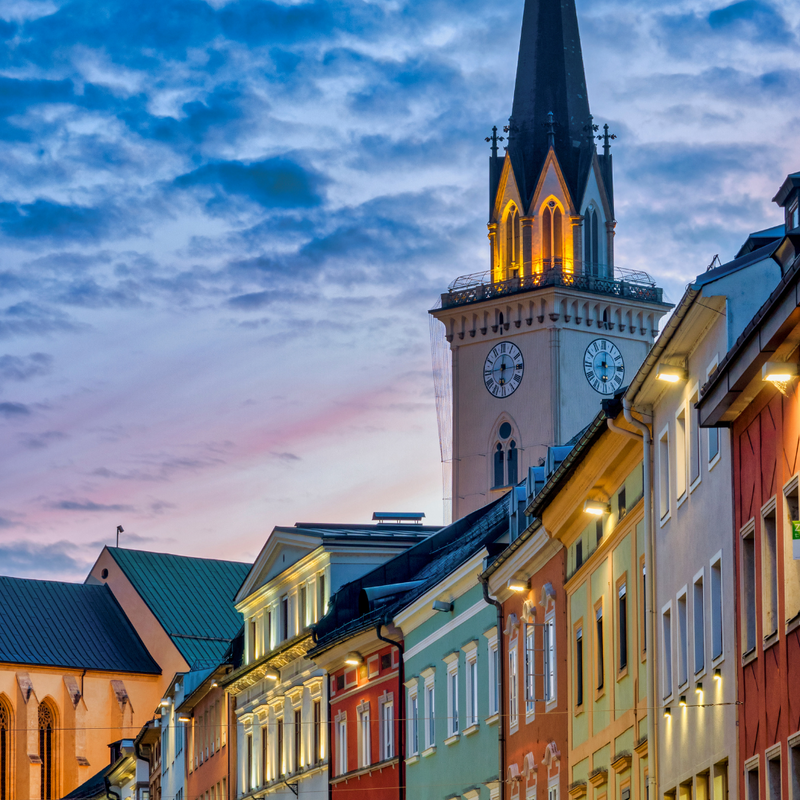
[(594, 278)]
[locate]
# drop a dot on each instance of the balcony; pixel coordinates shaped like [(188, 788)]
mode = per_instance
[(632, 285)]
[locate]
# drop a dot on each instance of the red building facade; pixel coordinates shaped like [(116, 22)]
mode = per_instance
[(765, 421)]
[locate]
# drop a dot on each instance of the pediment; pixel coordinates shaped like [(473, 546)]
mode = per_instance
[(552, 183)]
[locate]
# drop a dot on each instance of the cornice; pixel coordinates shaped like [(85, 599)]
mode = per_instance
[(251, 674)]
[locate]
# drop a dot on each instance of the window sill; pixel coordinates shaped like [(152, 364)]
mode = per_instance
[(682, 499), (715, 662), (695, 483), (452, 739), (665, 519), (714, 461), (412, 759), (530, 716), (793, 623), (492, 720), (472, 729), (750, 655), (429, 751), (771, 640)]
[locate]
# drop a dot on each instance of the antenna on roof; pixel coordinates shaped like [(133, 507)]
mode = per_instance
[(715, 262), (120, 530)]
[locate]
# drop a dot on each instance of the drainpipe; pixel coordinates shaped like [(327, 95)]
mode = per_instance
[(111, 793), (649, 550), (501, 729), (401, 708)]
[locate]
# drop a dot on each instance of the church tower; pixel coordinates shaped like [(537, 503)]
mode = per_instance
[(552, 327)]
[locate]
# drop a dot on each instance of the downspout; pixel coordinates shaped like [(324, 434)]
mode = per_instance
[(110, 793), (649, 550), (501, 729), (401, 709)]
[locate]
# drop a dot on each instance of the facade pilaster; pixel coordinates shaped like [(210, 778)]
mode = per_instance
[(493, 250)]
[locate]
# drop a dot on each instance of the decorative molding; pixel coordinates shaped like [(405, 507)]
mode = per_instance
[(598, 776), (577, 789), (622, 761), (640, 748)]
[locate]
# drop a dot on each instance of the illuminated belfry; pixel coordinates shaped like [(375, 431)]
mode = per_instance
[(552, 326)]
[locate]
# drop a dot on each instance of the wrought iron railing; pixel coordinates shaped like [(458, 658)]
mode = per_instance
[(478, 287)]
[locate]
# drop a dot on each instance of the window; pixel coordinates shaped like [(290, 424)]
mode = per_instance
[(364, 752), (591, 259), (302, 606), (387, 728), (699, 620), (430, 713), (264, 755), (791, 568), (663, 473), (622, 616), (774, 774), (499, 466), (298, 739), (552, 792), (716, 608), (512, 463), (769, 559), (579, 667), (494, 678), (284, 633), (643, 605), (413, 720), (513, 242), (472, 688), (751, 782), (513, 688), (47, 727), (578, 554), (253, 632), (598, 531), (748, 589), (5, 735), (279, 756), (683, 641), (530, 669), (248, 764), (622, 504), (598, 640), (452, 698), (666, 635), (794, 769), (317, 744), (713, 433), (550, 660), (178, 737), (341, 746), (694, 438), (680, 453), (321, 599), (552, 236)]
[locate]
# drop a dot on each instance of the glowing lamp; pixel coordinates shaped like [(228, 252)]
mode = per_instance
[(516, 585), (699, 688), (184, 718), (165, 703), (717, 674), (670, 374), (353, 659), (778, 371), (667, 712), (272, 675), (682, 702), (596, 508), (214, 685)]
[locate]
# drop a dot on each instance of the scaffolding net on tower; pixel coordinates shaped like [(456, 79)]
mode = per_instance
[(443, 390)]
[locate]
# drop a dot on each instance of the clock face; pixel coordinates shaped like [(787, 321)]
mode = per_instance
[(603, 366), (503, 368)]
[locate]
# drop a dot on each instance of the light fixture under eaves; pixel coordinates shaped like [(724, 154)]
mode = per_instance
[(353, 659), (183, 718), (596, 508), (165, 703), (272, 675), (441, 605), (778, 371), (516, 585), (670, 373)]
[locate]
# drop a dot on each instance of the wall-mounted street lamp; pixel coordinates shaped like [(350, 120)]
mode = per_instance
[(353, 659), (596, 508), (670, 373), (440, 605), (517, 585), (778, 372)]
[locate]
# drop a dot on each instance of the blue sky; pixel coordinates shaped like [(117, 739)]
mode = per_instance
[(222, 225)]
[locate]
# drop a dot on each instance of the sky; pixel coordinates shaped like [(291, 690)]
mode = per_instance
[(222, 225)]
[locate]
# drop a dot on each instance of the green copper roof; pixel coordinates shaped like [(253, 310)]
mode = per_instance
[(71, 625), (192, 598)]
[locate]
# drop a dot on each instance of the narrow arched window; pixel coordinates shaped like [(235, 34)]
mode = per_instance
[(552, 236), (46, 751), (513, 241), (512, 463), (595, 244), (5, 735), (547, 238), (499, 466), (588, 256)]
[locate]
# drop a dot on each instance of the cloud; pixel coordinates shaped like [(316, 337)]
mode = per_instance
[(45, 219), (86, 505), (14, 410), (57, 560), (273, 183), (288, 457), (23, 368), (29, 318), (40, 441)]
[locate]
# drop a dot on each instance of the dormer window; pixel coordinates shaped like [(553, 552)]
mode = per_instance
[(793, 218)]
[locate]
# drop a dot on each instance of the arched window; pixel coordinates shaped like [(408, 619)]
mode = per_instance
[(552, 236), (499, 467), (512, 463), (595, 244), (47, 725), (513, 242), (5, 736), (591, 258)]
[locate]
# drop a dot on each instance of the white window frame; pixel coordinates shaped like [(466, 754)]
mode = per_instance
[(453, 727), (699, 622), (664, 478), (717, 616), (681, 460), (748, 533), (530, 672), (551, 656), (471, 718), (413, 718), (713, 459), (386, 708), (694, 448), (513, 686), (492, 671), (682, 607), (364, 736), (668, 678), (341, 743), (552, 789), (429, 697)]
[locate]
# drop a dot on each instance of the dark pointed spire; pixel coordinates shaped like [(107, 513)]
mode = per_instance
[(550, 79)]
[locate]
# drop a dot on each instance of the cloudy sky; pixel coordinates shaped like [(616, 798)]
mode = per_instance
[(222, 225)]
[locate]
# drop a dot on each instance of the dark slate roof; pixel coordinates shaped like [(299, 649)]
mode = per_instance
[(752, 257), (192, 598), (429, 561), (93, 789), (69, 625), (550, 77), (760, 238)]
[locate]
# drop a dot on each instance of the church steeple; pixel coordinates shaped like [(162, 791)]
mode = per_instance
[(550, 79)]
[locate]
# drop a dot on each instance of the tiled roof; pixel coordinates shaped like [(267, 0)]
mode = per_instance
[(429, 561), (72, 625), (93, 789), (192, 598)]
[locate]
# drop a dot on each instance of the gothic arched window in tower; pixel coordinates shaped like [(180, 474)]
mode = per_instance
[(513, 244), (591, 258), (499, 467), (552, 237), (47, 726), (5, 736), (512, 464), (506, 458)]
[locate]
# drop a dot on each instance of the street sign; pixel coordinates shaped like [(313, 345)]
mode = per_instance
[(796, 540)]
